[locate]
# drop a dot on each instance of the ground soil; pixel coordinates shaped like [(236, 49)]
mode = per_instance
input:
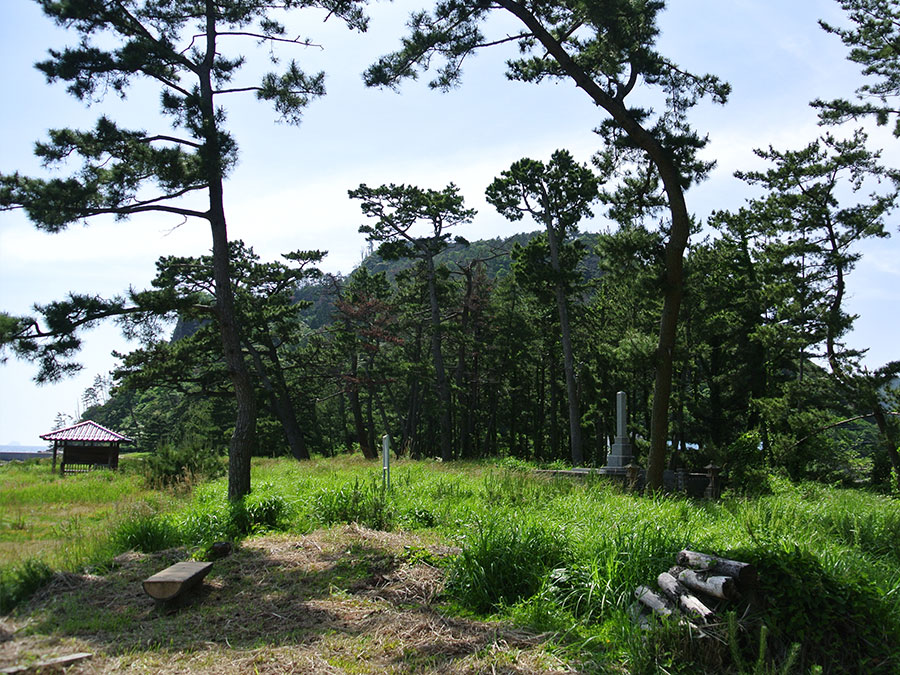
[(344, 600)]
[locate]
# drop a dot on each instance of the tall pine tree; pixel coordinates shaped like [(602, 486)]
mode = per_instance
[(180, 46)]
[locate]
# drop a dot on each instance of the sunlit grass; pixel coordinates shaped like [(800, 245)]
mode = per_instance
[(557, 554), (65, 521)]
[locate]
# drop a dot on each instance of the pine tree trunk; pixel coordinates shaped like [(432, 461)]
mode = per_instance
[(889, 438), (293, 433), (356, 409), (345, 434), (540, 415), (668, 327), (280, 397), (443, 386), (370, 420), (470, 438), (678, 233), (412, 414), (566, 342), (287, 411), (554, 403), (462, 405), (359, 424), (244, 435)]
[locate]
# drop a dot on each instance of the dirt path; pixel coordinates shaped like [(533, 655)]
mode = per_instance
[(346, 600)]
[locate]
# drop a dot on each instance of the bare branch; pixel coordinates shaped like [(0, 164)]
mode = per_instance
[(173, 139), (623, 91), (508, 38), (236, 90), (270, 38)]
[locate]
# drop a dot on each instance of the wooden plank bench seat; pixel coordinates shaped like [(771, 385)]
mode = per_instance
[(173, 580)]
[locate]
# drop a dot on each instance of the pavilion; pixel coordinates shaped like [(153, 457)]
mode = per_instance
[(85, 446)]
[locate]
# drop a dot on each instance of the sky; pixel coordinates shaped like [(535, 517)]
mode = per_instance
[(289, 190)]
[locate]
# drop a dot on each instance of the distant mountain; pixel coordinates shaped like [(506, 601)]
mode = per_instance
[(19, 447)]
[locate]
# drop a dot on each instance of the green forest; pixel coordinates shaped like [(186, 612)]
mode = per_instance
[(338, 362), (728, 335)]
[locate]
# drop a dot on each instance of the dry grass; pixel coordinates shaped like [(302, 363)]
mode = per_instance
[(344, 600)]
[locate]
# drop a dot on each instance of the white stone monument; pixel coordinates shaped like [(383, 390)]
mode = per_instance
[(620, 455)]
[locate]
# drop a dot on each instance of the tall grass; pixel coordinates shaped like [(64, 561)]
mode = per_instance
[(207, 519), (565, 555), (63, 521), (503, 562), (362, 502), (19, 581), (33, 484)]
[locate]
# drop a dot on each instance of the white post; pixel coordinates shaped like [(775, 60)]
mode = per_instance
[(386, 461), (621, 415)]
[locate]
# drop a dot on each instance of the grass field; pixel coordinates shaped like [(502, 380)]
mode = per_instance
[(461, 567), (58, 519)]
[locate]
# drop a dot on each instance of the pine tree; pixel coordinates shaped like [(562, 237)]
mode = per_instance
[(180, 46), (605, 48)]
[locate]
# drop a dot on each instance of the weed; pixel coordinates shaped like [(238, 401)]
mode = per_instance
[(18, 582), (147, 531), (419, 516), (363, 503), (503, 563), (762, 665), (416, 555)]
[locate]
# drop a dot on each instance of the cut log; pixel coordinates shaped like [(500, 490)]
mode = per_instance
[(650, 599), (176, 579), (722, 587), (54, 663), (744, 573), (680, 595)]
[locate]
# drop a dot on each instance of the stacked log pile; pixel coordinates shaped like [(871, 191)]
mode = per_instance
[(698, 587)]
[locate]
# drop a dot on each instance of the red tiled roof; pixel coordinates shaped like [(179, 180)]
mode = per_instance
[(85, 431)]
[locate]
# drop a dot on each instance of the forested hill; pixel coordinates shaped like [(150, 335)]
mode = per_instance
[(494, 254), (318, 295)]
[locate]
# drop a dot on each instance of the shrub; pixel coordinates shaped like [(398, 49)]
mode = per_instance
[(186, 463), (746, 466), (840, 618), (365, 504), (504, 563), (18, 582)]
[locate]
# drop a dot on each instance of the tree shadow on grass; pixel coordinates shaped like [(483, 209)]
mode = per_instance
[(348, 595)]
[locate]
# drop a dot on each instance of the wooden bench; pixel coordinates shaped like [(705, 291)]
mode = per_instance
[(173, 580)]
